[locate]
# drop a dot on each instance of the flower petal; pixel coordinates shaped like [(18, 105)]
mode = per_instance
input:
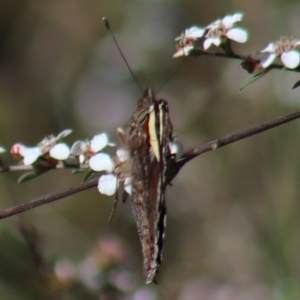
[(229, 21), (194, 32), (269, 49), (81, 158), (238, 35), (30, 154), (184, 51), (99, 142), (101, 162), (127, 185), (63, 134), (122, 154), (176, 149), (214, 25), (290, 59), (213, 40), (30, 158), (296, 44), (60, 151), (108, 184), (267, 60), (78, 148)]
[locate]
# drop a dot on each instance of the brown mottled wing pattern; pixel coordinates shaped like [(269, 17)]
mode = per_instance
[(149, 132)]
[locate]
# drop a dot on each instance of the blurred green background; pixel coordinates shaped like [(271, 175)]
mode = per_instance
[(233, 228)]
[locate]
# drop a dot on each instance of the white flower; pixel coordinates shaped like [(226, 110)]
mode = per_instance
[(2, 150), (60, 151), (215, 34), (85, 149), (192, 33), (108, 183), (99, 142), (225, 29), (49, 145), (186, 40), (101, 162), (286, 49), (80, 149), (29, 154)]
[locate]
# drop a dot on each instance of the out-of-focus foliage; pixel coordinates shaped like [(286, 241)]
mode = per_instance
[(233, 214)]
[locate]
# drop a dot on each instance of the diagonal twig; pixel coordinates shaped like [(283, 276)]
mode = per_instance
[(196, 150)]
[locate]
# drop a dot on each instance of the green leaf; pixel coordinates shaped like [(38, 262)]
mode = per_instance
[(296, 84), (89, 175), (28, 176), (253, 78)]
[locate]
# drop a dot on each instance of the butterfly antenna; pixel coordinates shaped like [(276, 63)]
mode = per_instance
[(180, 64), (172, 74), (106, 23)]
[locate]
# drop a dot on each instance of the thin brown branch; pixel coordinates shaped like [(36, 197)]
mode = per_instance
[(48, 198), (242, 134), (199, 52), (188, 155), (196, 150)]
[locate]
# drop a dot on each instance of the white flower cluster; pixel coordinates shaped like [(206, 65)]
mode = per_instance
[(89, 155), (90, 151), (50, 149), (215, 33), (285, 48), (84, 150), (220, 31)]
